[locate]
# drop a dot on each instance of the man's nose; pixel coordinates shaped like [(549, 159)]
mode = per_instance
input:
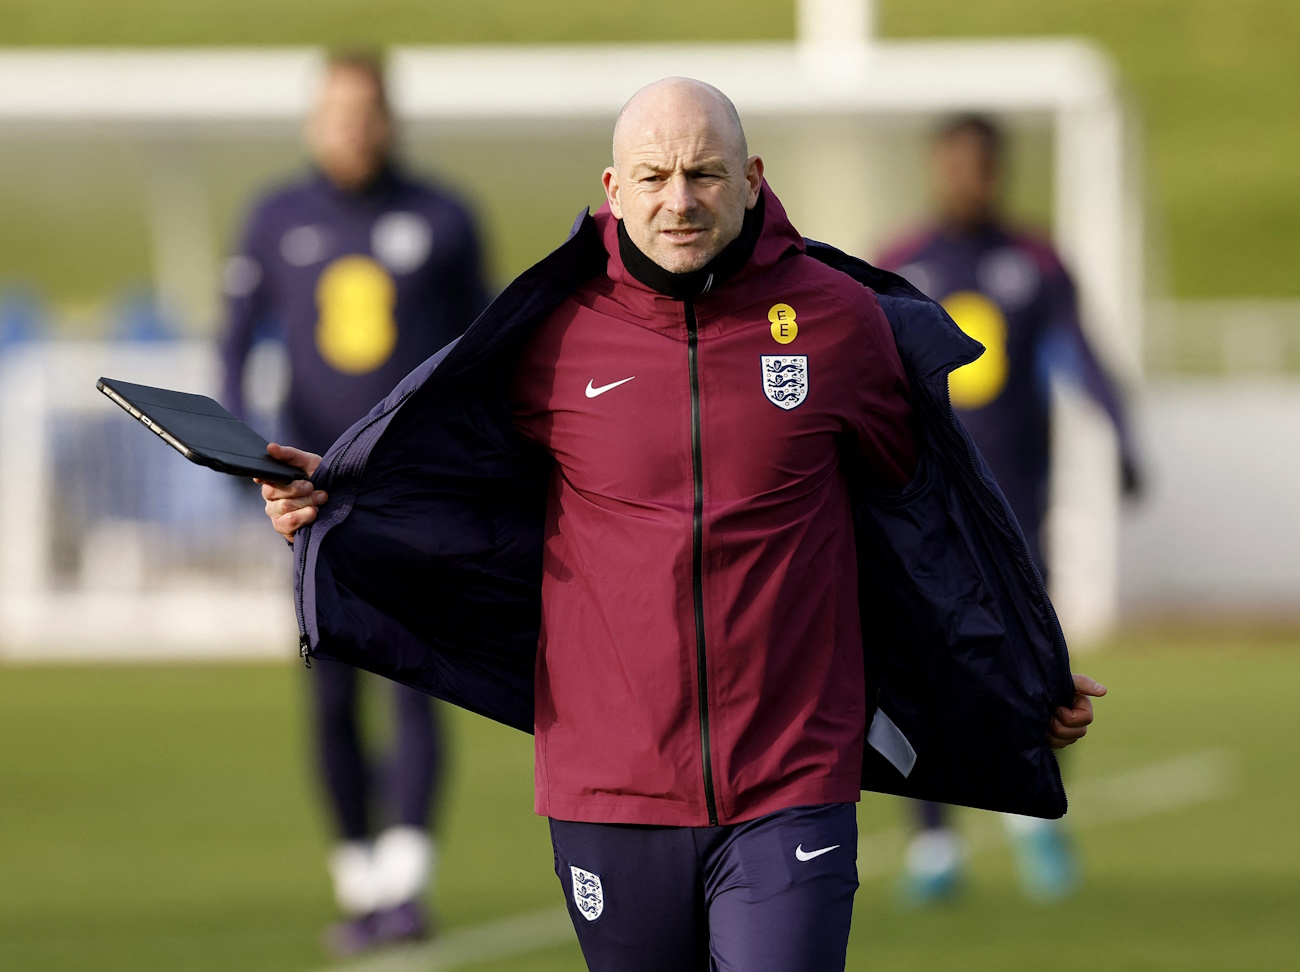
[(681, 197)]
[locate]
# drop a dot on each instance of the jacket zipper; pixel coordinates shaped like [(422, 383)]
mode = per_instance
[(300, 547), (697, 560), (304, 643)]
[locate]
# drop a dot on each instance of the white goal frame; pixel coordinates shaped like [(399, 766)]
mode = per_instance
[(835, 69)]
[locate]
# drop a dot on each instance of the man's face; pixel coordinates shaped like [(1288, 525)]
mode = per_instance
[(966, 178), (349, 131), (681, 182)]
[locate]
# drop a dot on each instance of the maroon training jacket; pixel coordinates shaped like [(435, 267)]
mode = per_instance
[(700, 658)]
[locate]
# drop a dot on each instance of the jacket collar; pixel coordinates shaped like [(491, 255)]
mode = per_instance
[(683, 286), (930, 344), (766, 237)]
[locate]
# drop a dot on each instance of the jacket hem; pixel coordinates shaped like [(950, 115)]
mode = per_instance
[(649, 811)]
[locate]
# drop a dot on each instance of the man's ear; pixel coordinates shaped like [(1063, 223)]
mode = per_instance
[(753, 176), (610, 181)]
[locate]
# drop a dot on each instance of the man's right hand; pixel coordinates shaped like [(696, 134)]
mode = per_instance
[(292, 505)]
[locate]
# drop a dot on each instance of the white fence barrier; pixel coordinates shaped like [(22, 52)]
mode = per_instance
[(112, 545), (1218, 531)]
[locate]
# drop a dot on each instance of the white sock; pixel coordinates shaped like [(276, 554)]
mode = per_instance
[(934, 851), (1018, 826), (404, 862), (351, 867)]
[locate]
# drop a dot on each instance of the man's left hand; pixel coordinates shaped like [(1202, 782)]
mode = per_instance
[(1070, 724)]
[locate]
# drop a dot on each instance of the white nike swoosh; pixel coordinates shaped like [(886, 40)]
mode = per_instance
[(804, 855), (593, 392)]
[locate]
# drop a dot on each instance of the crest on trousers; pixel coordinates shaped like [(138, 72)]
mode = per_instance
[(588, 895), (785, 379)]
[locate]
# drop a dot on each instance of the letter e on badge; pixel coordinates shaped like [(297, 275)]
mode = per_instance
[(784, 328), (588, 895)]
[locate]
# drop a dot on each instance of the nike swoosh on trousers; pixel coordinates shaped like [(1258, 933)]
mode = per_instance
[(804, 855)]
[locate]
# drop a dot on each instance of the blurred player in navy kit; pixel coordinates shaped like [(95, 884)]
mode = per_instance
[(363, 273), (1008, 290)]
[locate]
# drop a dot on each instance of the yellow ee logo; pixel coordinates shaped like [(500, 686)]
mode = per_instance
[(784, 329), (356, 332), (980, 382)]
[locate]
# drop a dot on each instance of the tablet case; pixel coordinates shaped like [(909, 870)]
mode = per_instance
[(200, 430)]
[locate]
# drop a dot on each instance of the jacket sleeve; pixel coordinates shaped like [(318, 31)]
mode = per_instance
[(883, 416), (965, 659), (1066, 350), (428, 575), (424, 567)]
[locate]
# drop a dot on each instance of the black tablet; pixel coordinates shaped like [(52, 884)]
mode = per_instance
[(200, 430)]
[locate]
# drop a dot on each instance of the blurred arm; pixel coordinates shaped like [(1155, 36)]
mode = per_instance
[(1068, 350), (247, 304), (469, 294)]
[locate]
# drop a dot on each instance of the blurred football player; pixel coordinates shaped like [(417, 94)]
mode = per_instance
[(362, 272), (1009, 290)]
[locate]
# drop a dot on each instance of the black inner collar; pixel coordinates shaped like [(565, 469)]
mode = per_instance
[(682, 286)]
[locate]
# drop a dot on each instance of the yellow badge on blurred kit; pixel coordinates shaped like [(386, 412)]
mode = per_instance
[(356, 333), (784, 329), (980, 382)]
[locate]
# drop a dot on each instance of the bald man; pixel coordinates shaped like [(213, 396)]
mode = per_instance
[(644, 508)]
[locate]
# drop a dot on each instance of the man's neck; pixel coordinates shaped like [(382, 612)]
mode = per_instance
[(683, 286), (373, 182), (968, 226)]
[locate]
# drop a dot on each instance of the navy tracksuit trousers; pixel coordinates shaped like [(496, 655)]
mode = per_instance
[(768, 895), (407, 782)]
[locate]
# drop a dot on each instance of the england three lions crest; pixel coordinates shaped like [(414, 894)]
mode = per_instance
[(588, 895), (785, 379)]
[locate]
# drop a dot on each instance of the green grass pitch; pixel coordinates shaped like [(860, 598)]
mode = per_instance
[(161, 818)]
